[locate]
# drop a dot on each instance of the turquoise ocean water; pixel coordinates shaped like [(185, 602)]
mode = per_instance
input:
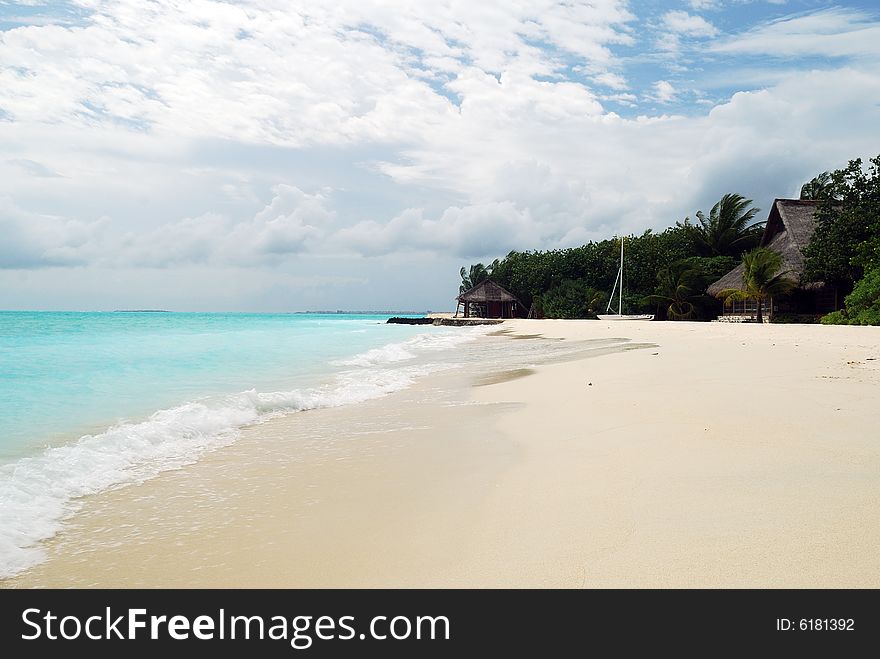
[(91, 401)]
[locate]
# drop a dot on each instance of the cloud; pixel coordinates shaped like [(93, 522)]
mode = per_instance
[(289, 222), (626, 99), (292, 74), (611, 80), (668, 43), (835, 32), (664, 92), (285, 227), (32, 168), (468, 232), (32, 240), (269, 136), (681, 22)]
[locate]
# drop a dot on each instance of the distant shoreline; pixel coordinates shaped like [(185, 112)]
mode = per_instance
[(367, 313)]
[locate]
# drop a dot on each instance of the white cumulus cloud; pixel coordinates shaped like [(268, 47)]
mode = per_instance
[(291, 222), (681, 22), (664, 91), (274, 135)]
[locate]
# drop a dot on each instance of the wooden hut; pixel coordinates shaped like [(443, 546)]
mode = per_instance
[(489, 300), (788, 231)]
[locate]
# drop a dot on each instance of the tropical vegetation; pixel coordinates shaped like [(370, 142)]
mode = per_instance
[(862, 305), (667, 272), (729, 229), (576, 282), (818, 188), (476, 274), (681, 286), (846, 246), (763, 278)]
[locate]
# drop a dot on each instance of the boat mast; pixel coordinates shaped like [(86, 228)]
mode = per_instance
[(620, 299), (617, 278)]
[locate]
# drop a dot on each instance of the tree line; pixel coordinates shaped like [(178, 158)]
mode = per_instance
[(845, 250), (667, 273)]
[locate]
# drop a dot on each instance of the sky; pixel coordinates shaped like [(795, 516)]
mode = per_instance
[(277, 155)]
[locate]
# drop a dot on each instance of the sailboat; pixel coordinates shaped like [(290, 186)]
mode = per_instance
[(620, 315)]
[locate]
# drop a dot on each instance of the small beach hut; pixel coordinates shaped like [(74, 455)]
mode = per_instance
[(489, 300), (788, 231)]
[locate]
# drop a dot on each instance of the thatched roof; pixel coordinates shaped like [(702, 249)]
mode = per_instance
[(789, 227), (487, 291), (733, 279)]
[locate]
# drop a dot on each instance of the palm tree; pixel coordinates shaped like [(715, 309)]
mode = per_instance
[(728, 231), (763, 278), (820, 187), (477, 274), (677, 286)]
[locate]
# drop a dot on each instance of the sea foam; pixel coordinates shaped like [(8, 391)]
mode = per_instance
[(38, 492)]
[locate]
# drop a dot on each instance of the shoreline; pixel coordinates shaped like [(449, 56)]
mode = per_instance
[(289, 503), (727, 456)]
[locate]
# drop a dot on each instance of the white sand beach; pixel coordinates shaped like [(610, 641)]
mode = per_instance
[(727, 456)]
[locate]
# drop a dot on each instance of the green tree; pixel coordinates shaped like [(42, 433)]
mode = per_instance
[(862, 305), (763, 278), (572, 298), (532, 275), (819, 187), (865, 201), (646, 255), (528, 275), (847, 238), (729, 229), (681, 288), (709, 269), (476, 274), (677, 291)]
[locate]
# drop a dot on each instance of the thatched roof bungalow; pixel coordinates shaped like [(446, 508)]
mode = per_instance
[(489, 300), (788, 231)]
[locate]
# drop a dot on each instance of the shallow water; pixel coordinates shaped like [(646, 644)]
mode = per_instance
[(100, 401), (92, 401)]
